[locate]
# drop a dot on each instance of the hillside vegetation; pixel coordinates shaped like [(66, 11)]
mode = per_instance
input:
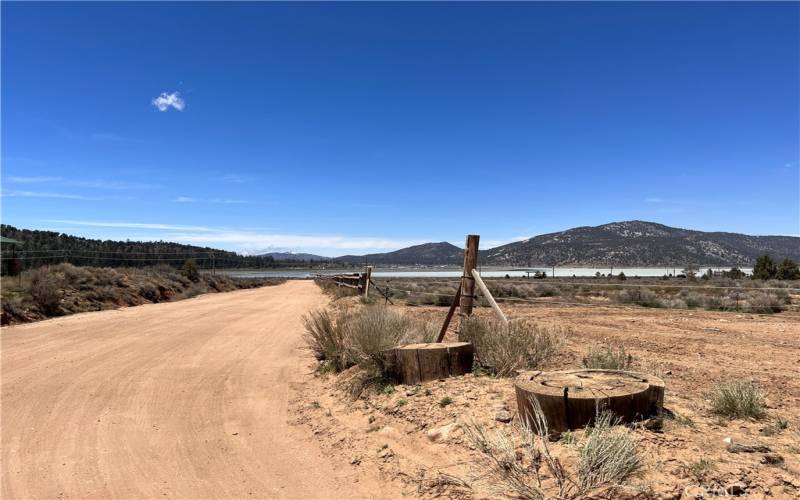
[(66, 289), (50, 247)]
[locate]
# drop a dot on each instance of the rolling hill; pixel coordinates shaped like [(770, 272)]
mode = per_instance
[(292, 256), (427, 254), (639, 243), (628, 243)]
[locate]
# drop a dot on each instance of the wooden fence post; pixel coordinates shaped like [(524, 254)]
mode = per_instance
[(467, 281), (367, 281)]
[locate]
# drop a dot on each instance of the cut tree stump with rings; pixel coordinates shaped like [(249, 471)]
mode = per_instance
[(570, 399)]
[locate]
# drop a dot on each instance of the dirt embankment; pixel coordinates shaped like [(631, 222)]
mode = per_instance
[(64, 289), (180, 400)]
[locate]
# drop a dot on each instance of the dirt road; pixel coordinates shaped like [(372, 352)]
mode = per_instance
[(179, 400)]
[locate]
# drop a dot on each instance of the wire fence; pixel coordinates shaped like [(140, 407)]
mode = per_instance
[(548, 301)]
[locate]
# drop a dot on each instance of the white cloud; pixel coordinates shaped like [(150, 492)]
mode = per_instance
[(253, 240), (129, 225), (655, 200), (103, 184), (32, 180), (166, 101), (232, 179), (189, 199), (39, 194), (244, 240)]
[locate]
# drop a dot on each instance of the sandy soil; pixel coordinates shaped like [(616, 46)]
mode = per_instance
[(419, 445), (179, 400)]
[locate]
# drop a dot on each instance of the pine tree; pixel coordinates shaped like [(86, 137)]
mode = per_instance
[(765, 268)]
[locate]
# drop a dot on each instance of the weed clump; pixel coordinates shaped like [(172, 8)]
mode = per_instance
[(607, 359), (504, 348), (609, 456), (738, 399)]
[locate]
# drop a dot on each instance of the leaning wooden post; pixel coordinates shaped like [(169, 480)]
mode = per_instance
[(367, 282), (467, 280), (488, 295)]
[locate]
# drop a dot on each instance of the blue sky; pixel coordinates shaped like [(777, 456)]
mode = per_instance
[(339, 128)]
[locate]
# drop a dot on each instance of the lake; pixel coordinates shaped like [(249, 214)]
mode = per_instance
[(514, 272)]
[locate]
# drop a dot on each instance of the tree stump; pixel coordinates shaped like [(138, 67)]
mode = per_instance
[(571, 398), (415, 363)]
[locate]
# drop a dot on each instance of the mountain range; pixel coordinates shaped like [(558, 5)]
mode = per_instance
[(629, 243), (294, 256)]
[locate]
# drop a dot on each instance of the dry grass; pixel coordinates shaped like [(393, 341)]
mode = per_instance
[(325, 338), (738, 399), (608, 457), (504, 348)]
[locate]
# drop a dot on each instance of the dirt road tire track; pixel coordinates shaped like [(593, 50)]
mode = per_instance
[(181, 400)]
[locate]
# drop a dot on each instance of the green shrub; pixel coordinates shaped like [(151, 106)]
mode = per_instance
[(190, 270), (738, 399), (607, 359), (788, 270), (504, 348)]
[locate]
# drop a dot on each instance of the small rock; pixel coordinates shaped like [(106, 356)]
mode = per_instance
[(387, 430), (385, 453), (503, 416), (355, 461), (655, 424), (748, 448), (772, 459), (736, 489), (441, 433)]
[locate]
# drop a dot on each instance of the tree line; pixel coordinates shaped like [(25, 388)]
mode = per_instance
[(49, 247)]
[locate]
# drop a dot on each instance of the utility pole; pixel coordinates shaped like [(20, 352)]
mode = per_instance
[(213, 264), (467, 281)]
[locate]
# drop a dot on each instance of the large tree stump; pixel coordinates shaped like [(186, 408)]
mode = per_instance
[(415, 363), (571, 398)]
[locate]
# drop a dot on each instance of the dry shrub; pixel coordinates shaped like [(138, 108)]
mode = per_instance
[(373, 330), (325, 337), (504, 348), (763, 302), (337, 292), (738, 399), (609, 456), (45, 287), (607, 358), (640, 296), (362, 337)]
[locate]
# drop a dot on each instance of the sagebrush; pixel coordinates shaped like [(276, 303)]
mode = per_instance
[(503, 348), (607, 358), (738, 399)]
